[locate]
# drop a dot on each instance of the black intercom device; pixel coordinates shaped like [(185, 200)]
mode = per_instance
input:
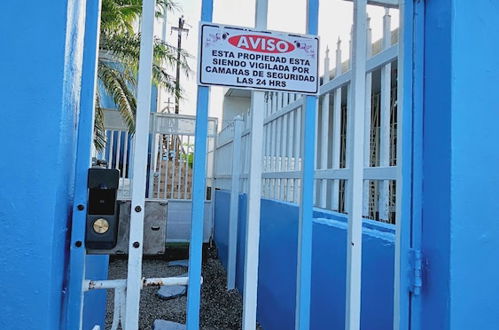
[(102, 210)]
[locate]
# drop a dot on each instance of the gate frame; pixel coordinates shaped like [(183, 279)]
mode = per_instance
[(408, 232), (73, 313), (407, 280)]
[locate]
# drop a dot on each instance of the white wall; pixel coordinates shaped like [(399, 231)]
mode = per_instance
[(233, 106)]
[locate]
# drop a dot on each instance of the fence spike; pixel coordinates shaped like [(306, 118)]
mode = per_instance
[(387, 28), (338, 57)]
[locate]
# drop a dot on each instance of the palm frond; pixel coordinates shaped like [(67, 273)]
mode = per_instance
[(116, 85), (120, 15), (126, 48), (99, 129), (118, 61)]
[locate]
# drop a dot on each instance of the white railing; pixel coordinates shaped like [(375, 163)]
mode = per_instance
[(283, 142), (171, 151)]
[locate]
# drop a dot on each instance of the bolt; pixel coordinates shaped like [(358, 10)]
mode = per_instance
[(138, 208), (136, 244), (78, 244), (80, 207)]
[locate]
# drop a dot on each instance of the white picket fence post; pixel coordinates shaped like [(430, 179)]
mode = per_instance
[(367, 123), (234, 203), (324, 133), (386, 75), (356, 163), (336, 143)]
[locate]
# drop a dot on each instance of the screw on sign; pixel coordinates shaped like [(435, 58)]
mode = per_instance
[(245, 58)]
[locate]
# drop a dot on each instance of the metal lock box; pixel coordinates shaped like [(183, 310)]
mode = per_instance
[(102, 211)]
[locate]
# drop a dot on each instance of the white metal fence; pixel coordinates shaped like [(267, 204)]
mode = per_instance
[(283, 142), (170, 155)]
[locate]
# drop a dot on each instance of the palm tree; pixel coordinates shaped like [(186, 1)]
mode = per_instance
[(118, 60)]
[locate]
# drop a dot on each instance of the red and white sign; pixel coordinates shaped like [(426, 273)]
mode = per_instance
[(244, 58)]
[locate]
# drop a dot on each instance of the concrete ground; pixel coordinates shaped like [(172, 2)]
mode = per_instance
[(220, 309)]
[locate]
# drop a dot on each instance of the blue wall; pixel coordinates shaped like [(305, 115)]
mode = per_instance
[(277, 269), (40, 79), (460, 236), (42, 92)]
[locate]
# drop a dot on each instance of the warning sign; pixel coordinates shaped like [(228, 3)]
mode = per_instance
[(244, 58)]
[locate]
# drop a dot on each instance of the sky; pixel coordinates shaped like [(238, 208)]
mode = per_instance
[(335, 20)]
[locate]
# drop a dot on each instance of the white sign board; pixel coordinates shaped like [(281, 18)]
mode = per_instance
[(244, 58)]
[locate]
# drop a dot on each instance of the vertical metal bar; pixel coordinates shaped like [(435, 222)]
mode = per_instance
[(367, 123), (276, 102), (286, 154), (336, 130), (76, 267), (234, 204), (386, 73), (272, 157), (166, 138), (152, 167), (125, 159), (273, 164), (253, 219), (140, 166), (153, 163), (354, 241), (254, 192), (269, 155), (297, 151), (111, 154), (291, 160), (116, 310), (284, 139), (159, 154), (324, 132), (266, 139), (409, 159), (266, 143), (174, 165), (121, 292), (348, 122), (304, 271), (118, 151), (278, 153), (247, 161), (198, 193), (180, 161), (186, 178)]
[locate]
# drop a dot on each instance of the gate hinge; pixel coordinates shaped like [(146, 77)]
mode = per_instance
[(416, 281)]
